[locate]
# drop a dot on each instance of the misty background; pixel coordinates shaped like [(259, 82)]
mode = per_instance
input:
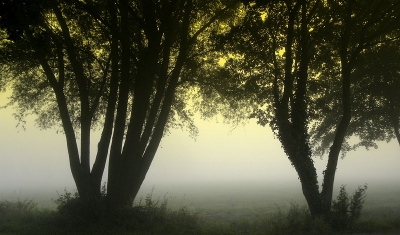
[(237, 163)]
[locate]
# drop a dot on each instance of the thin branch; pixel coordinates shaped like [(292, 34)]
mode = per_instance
[(212, 20), (101, 89)]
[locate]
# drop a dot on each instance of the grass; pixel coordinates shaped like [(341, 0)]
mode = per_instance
[(150, 216)]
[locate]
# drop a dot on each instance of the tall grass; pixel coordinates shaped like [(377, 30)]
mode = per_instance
[(154, 216)]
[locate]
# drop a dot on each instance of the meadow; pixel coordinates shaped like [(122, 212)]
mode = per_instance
[(230, 208)]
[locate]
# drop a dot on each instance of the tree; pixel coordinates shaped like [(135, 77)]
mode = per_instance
[(113, 65), (298, 58)]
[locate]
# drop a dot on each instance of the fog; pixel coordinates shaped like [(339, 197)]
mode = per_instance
[(222, 160)]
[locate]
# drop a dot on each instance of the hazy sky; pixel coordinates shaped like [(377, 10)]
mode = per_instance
[(34, 158)]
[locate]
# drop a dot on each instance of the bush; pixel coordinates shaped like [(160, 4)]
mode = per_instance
[(347, 210), (73, 211), (77, 215), (17, 212), (21, 217)]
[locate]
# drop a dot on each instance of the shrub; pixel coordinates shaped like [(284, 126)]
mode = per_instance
[(76, 215), (74, 211), (17, 211), (347, 210), (21, 217)]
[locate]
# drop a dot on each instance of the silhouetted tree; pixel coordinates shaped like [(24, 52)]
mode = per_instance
[(297, 59), (113, 65)]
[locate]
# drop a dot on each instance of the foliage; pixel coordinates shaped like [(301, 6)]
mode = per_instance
[(377, 83), (372, 54), (347, 210)]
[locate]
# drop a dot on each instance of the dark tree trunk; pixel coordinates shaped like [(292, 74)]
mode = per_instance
[(330, 171)]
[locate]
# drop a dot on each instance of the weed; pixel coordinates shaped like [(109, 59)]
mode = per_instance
[(347, 210)]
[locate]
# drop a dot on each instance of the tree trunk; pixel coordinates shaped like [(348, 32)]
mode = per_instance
[(309, 183), (329, 173)]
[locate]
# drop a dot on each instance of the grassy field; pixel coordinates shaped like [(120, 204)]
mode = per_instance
[(215, 210)]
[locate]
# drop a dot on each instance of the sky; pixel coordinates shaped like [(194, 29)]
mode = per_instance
[(34, 158)]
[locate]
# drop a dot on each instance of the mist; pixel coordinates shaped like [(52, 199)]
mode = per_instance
[(241, 163)]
